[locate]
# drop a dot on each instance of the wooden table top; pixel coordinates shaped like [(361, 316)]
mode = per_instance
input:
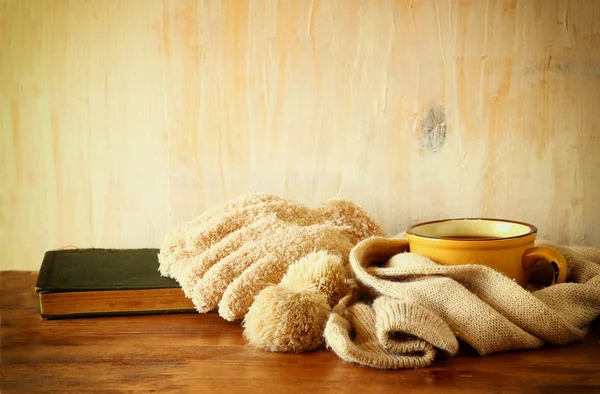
[(204, 353)]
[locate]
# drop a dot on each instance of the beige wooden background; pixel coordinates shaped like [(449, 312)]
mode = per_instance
[(121, 119)]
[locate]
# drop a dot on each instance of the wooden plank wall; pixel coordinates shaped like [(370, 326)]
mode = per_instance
[(121, 119)]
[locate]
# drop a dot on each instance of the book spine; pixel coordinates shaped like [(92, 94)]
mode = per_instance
[(45, 270)]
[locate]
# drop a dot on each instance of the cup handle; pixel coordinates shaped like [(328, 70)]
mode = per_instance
[(553, 256)]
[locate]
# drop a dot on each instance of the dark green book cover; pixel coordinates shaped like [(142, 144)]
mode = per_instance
[(92, 270), (101, 269)]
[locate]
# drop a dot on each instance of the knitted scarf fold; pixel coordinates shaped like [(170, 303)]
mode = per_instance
[(421, 307)]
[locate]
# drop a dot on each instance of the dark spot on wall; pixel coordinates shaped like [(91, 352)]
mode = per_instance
[(434, 129)]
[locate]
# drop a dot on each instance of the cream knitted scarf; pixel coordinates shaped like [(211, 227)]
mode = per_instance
[(417, 307)]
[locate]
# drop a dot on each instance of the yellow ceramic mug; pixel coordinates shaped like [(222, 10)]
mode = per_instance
[(504, 245)]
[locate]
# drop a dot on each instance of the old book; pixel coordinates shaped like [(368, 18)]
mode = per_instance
[(103, 282)]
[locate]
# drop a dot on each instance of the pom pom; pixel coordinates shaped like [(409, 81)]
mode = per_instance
[(321, 272), (285, 320)]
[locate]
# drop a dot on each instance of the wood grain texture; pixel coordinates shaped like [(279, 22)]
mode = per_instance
[(122, 119), (204, 353)]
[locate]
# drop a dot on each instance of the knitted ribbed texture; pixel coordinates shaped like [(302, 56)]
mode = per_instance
[(227, 255), (479, 305), (366, 335), (397, 320)]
